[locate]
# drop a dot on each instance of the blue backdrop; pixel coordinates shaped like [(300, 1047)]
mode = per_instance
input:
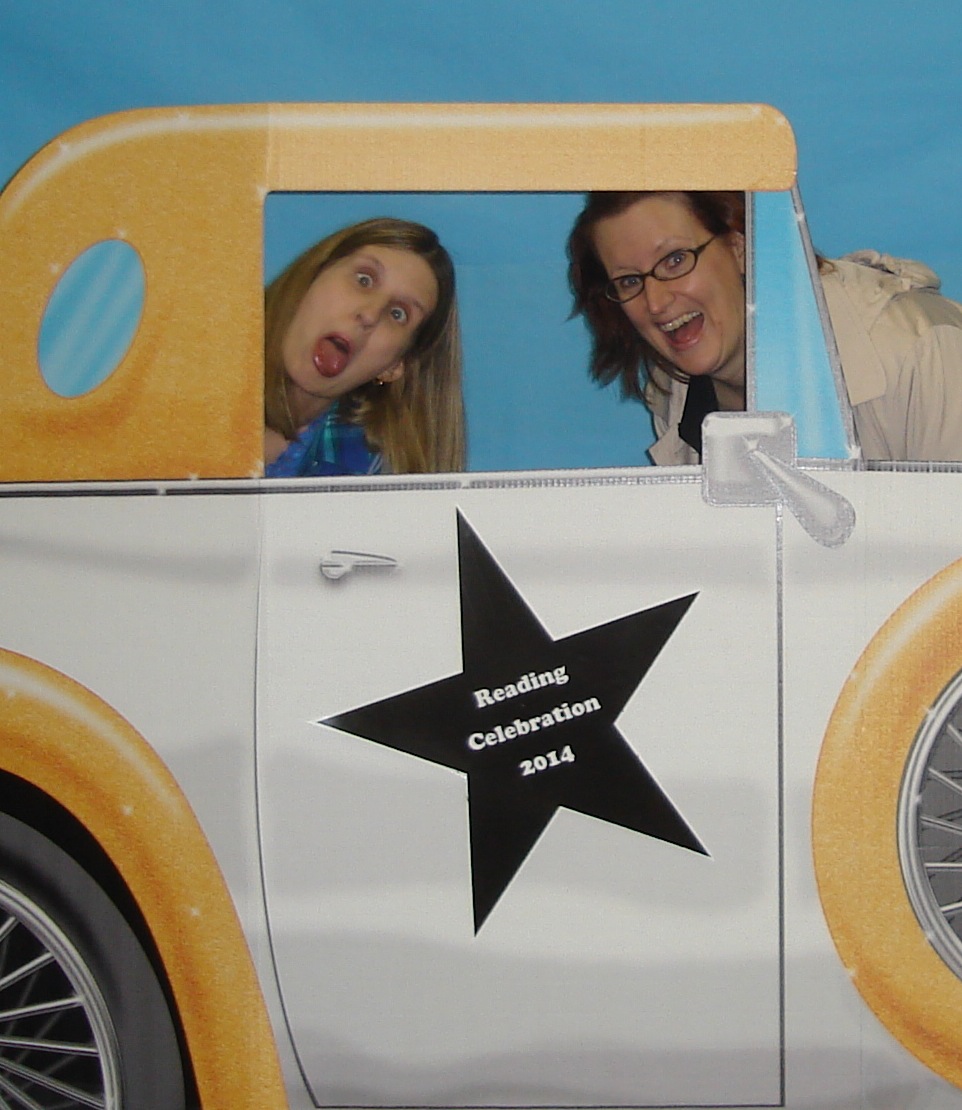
[(872, 88)]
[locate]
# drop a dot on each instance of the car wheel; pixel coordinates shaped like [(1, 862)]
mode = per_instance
[(83, 1019), (887, 824)]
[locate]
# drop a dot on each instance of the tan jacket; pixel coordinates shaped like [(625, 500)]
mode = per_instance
[(900, 346)]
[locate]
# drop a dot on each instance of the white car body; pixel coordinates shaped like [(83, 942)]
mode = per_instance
[(615, 969)]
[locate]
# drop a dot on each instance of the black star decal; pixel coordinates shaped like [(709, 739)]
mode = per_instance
[(531, 722)]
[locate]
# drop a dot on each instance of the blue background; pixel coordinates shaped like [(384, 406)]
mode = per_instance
[(872, 88)]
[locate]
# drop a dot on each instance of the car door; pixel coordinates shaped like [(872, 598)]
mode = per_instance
[(607, 964)]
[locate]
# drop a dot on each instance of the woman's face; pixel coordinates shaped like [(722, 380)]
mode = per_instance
[(696, 322), (355, 323)]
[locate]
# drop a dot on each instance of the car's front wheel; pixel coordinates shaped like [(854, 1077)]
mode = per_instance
[(83, 1019), (887, 823)]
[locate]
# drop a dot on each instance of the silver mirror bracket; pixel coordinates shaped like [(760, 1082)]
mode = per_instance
[(749, 460)]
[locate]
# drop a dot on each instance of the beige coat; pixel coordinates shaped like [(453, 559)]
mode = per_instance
[(900, 346)]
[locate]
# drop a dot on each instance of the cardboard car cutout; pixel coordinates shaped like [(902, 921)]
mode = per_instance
[(462, 790)]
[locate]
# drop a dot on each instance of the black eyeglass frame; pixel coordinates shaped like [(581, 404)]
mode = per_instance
[(610, 288)]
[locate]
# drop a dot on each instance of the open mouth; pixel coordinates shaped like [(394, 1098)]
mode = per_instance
[(331, 354), (684, 330)]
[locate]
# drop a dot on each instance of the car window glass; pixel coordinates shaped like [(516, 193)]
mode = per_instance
[(793, 371), (91, 318)]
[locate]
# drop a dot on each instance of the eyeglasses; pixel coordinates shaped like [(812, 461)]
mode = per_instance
[(625, 287)]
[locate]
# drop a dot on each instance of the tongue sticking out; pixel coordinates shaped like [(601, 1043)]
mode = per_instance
[(330, 356)]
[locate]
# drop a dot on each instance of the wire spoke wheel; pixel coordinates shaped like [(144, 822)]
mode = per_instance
[(58, 1047), (930, 826), (84, 1021)]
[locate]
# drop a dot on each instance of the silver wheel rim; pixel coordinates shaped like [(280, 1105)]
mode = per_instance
[(930, 826), (58, 1047)]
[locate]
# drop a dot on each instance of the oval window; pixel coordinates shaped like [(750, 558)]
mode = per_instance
[(91, 318)]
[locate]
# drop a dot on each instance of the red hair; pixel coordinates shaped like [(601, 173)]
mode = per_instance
[(617, 350)]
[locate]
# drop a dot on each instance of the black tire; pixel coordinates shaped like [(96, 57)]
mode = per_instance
[(62, 938)]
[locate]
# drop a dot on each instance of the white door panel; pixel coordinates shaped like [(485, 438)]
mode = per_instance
[(615, 968)]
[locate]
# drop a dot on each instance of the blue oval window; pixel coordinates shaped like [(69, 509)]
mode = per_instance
[(91, 318)]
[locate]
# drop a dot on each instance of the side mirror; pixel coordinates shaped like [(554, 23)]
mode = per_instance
[(749, 459)]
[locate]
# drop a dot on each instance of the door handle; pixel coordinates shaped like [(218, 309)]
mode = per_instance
[(335, 564)]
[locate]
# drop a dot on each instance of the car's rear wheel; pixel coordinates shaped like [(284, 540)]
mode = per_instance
[(83, 1019)]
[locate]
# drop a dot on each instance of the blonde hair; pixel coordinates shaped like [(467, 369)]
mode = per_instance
[(416, 422)]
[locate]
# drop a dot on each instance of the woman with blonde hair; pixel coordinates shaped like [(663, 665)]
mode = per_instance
[(362, 356)]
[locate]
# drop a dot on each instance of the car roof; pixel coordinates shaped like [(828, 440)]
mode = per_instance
[(185, 188)]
